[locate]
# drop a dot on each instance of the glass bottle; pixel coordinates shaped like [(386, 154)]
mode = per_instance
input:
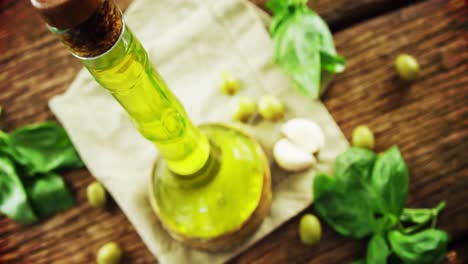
[(211, 188)]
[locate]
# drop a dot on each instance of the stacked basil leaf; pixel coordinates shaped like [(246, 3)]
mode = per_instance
[(303, 45), (367, 198), (30, 157)]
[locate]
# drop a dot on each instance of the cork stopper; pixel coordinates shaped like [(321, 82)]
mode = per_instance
[(87, 27), (64, 14)]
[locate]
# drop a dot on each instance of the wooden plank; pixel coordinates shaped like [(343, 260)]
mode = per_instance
[(343, 14), (426, 119)]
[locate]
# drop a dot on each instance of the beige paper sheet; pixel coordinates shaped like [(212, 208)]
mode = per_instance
[(191, 42)]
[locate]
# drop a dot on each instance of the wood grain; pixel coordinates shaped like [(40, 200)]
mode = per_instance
[(427, 119), (343, 14)]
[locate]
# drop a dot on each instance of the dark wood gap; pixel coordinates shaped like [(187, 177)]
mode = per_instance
[(360, 14)]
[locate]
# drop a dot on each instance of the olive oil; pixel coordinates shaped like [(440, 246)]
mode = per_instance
[(130, 77), (224, 176), (228, 196)]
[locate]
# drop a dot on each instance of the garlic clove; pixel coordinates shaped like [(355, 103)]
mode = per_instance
[(304, 133), (290, 157)]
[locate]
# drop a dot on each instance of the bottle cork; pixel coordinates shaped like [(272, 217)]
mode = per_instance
[(64, 14), (87, 27)]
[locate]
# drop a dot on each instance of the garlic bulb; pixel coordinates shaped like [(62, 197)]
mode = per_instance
[(305, 134), (290, 157)]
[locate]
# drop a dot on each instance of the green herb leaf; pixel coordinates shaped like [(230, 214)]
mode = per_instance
[(41, 148), (390, 181), (348, 211), (48, 194), (377, 250), (297, 51), (421, 215), (354, 167), (417, 216), (347, 203), (426, 247), (351, 204), (7, 149), (13, 199), (35, 150), (303, 45), (332, 63), (280, 5)]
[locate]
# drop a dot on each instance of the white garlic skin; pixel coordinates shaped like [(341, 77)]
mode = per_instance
[(305, 134), (290, 157)]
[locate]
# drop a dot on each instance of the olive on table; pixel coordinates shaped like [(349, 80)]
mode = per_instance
[(310, 230), (110, 253), (407, 67), (96, 195), (363, 137)]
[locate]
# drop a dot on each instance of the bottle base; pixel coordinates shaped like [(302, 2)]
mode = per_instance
[(225, 202)]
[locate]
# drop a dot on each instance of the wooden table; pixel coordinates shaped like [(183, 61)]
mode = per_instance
[(427, 119)]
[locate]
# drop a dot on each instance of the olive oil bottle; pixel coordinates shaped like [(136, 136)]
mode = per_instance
[(211, 189)]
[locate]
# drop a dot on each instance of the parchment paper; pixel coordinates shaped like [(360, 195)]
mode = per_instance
[(191, 42)]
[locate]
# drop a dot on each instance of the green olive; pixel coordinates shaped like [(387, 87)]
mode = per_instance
[(96, 195), (110, 253), (245, 108), (310, 230), (271, 108), (363, 137), (407, 67), (229, 84)]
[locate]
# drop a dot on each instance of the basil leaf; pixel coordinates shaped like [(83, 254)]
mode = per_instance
[(7, 149), (426, 247), (421, 215), (297, 52), (332, 63), (377, 250), (323, 184), (280, 5), (48, 194), (390, 181), (41, 148), (347, 203), (348, 210), (13, 200), (354, 167), (303, 45), (417, 216)]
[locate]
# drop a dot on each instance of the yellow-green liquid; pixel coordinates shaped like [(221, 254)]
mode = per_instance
[(194, 197), (219, 204), (129, 75)]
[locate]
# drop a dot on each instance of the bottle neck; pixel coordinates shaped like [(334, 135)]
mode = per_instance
[(125, 70)]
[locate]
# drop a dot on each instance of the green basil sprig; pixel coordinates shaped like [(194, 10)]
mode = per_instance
[(425, 247), (29, 157), (41, 148), (303, 45), (367, 198)]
